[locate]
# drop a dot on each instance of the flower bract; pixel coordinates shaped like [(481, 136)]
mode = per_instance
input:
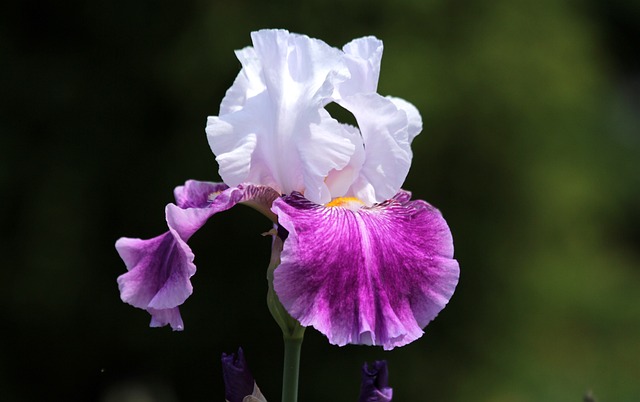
[(239, 385), (375, 383)]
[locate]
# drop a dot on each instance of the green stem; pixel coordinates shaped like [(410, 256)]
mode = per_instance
[(292, 348), (292, 331)]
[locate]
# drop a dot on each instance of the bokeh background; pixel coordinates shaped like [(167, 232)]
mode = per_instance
[(531, 148)]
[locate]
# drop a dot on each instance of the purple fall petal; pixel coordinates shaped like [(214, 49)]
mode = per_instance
[(170, 316), (238, 381), (373, 276), (160, 268), (375, 383), (156, 266)]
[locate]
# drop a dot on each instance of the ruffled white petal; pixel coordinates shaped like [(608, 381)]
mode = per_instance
[(339, 182), (387, 125), (384, 130), (322, 152), (362, 57), (272, 127), (413, 116), (247, 84)]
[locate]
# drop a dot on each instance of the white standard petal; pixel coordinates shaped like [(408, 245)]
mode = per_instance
[(233, 139), (387, 125), (385, 132), (323, 152), (362, 57), (339, 181), (272, 129), (246, 85), (413, 116)]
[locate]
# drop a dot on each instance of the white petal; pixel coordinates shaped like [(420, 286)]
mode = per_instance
[(233, 140), (388, 154), (247, 84), (325, 147), (413, 116), (274, 113), (273, 129), (295, 67), (339, 181), (362, 57)]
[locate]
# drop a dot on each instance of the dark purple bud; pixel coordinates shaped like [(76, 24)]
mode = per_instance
[(375, 383), (238, 381)]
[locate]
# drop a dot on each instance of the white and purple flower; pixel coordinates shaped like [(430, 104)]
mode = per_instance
[(362, 262)]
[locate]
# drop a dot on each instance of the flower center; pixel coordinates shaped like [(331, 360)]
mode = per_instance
[(351, 203), (213, 196)]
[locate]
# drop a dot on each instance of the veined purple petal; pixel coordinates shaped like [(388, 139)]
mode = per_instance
[(197, 194), (160, 268), (170, 316), (376, 275), (155, 265), (375, 383)]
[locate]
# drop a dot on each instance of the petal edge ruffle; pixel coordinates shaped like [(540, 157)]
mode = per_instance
[(373, 276)]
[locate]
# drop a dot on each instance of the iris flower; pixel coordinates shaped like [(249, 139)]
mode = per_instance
[(362, 262)]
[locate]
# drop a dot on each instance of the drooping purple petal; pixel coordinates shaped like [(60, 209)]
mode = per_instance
[(155, 265), (170, 316), (375, 383), (160, 268), (373, 275)]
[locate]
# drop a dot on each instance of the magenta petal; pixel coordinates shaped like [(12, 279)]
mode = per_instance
[(160, 268), (197, 194), (157, 267), (373, 276)]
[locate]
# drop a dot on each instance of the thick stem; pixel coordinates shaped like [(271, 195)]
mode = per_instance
[(292, 347)]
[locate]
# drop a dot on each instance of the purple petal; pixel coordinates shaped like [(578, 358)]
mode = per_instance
[(170, 316), (375, 383), (238, 381), (155, 267), (197, 194), (373, 276), (160, 268)]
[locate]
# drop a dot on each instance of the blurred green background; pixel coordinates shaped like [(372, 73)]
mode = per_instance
[(531, 149)]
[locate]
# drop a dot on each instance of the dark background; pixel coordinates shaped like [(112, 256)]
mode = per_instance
[(531, 148)]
